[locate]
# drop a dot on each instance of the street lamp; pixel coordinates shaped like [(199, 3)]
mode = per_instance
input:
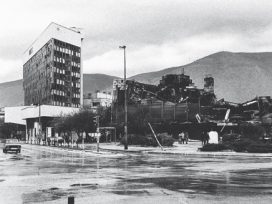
[(125, 102), (39, 119)]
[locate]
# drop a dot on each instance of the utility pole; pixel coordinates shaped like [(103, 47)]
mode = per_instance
[(97, 130), (125, 102), (40, 132), (97, 133)]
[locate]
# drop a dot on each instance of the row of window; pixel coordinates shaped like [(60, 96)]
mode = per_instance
[(75, 74), (77, 85), (75, 64), (57, 92), (76, 95), (60, 82), (62, 60), (59, 103), (62, 93), (66, 51), (57, 70), (62, 71)]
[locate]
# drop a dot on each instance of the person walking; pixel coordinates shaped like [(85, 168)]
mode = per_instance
[(186, 137), (207, 138), (203, 138), (182, 137)]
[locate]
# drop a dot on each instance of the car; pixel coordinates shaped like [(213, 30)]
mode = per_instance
[(12, 145)]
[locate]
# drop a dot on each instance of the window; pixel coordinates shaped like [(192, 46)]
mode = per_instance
[(30, 51)]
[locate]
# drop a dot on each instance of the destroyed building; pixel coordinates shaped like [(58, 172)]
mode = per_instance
[(175, 98)]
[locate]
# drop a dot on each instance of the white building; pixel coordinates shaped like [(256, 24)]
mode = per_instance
[(98, 99)]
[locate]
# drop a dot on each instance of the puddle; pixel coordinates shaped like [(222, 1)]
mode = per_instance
[(85, 185), (14, 158), (130, 192), (44, 195)]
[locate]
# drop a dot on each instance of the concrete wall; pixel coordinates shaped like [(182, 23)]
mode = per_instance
[(47, 111), (14, 115)]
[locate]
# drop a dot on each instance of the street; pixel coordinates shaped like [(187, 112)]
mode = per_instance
[(47, 175)]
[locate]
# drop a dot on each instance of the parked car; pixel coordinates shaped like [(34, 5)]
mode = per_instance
[(12, 145)]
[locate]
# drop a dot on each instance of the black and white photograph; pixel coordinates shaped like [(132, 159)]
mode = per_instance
[(136, 101)]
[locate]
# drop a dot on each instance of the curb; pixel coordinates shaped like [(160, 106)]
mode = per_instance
[(64, 149), (214, 154)]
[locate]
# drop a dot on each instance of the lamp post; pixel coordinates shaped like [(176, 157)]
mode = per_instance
[(125, 102), (40, 131)]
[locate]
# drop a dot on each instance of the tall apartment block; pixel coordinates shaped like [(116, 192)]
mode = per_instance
[(52, 70)]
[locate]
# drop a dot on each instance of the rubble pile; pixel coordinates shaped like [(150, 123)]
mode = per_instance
[(177, 99)]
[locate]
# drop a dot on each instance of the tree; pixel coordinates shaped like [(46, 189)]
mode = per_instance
[(83, 121), (7, 129), (79, 122), (105, 116)]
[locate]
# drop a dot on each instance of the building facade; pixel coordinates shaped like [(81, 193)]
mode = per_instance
[(52, 71), (93, 101)]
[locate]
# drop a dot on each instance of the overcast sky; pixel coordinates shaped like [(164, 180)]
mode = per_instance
[(158, 33)]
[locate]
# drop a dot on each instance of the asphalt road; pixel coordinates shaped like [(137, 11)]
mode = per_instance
[(44, 175)]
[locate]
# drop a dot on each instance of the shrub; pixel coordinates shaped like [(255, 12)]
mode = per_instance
[(149, 140), (165, 139), (230, 138), (253, 132), (241, 145), (139, 139), (214, 147), (247, 145), (260, 148)]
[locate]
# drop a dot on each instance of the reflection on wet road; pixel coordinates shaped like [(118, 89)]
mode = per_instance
[(48, 176)]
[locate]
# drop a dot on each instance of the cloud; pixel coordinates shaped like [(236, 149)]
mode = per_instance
[(158, 33), (11, 70)]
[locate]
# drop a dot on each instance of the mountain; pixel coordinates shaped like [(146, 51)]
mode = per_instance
[(238, 76), (11, 93), (94, 82)]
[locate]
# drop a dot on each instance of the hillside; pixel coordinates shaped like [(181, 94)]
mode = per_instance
[(238, 76), (94, 82), (11, 93)]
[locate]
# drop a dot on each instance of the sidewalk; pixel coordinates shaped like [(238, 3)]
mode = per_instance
[(192, 148)]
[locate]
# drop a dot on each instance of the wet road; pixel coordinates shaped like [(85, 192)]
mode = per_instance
[(48, 176)]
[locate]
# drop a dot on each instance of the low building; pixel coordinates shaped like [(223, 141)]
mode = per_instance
[(99, 99), (37, 119)]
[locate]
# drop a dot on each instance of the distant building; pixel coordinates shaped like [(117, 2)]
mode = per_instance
[(99, 99), (2, 113), (209, 83), (52, 73)]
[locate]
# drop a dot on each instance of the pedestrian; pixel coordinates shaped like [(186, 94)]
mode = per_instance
[(202, 137), (48, 141), (186, 137), (206, 138), (182, 137)]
